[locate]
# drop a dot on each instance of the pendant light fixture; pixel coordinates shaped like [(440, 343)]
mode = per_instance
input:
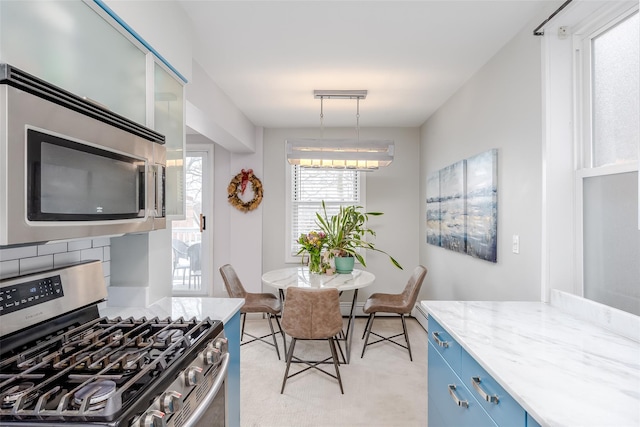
[(365, 155)]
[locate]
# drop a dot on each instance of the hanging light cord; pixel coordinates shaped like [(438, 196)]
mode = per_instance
[(322, 117), (358, 118)]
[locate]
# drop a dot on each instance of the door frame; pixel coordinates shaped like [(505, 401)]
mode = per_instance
[(206, 288)]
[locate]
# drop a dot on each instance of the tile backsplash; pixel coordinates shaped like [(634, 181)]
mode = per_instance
[(15, 261)]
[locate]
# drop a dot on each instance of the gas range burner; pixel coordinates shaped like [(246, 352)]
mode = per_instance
[(97, 392), (11, 395), (129, 359), (169, 336)]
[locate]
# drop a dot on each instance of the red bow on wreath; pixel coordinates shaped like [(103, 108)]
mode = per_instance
[(245, 180)]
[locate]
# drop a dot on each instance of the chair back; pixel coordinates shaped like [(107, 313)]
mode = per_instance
[(194, 257), (232, 282), (179, 247), (312, 313), (411, 290)]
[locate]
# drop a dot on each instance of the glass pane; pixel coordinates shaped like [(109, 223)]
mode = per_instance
[(612, 241), (186, 235), (616, 89), (69, 45), (169, 121)]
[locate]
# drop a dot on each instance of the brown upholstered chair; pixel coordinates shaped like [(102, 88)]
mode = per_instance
[(401, 304), (265, 303), (312, 314)]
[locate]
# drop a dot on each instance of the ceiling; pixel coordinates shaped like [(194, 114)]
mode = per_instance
[(411, 56)]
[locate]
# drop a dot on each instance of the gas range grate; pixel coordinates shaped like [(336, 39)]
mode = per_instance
[(99, 370)]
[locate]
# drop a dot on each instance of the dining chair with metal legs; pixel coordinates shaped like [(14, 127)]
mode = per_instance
[(400, 304), (312, 314), (265, 303)]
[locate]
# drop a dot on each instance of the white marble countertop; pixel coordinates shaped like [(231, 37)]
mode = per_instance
[(562, 370), (176, 307)]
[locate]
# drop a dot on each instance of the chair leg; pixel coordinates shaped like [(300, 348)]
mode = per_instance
[(406, 336), (286, 371), (368, 330), (367, 325), (273, 335), (334, 354), (243, 319), (284, 337)]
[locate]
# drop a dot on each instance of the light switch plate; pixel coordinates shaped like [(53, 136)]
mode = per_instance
[(516, 244)]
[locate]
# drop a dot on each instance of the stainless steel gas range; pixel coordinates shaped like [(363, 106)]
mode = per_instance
[(63, 364)]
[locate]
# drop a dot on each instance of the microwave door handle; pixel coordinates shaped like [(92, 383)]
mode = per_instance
[(158, 189)]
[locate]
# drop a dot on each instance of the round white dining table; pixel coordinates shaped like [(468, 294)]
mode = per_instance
[(301, 277)]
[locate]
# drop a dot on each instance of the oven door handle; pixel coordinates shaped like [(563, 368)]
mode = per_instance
[(208, 399)]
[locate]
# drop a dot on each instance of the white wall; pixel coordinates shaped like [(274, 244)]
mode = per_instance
[(499, 107), (393, 190)]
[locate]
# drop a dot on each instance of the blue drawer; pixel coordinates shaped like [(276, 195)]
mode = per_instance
[(504, 410), (451, 407), (444, 344)]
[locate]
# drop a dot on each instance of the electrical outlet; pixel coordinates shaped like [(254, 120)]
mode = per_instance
[(516, 244)]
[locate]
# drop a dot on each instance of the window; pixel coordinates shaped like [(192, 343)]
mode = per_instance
[(612, 62), (607, 181), (308, 188)]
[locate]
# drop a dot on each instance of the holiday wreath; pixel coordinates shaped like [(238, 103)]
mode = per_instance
[(238, 185)]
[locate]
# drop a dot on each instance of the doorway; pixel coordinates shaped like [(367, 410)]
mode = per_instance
[(191, 237)]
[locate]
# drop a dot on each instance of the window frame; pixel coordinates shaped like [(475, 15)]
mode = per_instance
[(289, 257), (583, 115), (583, 78)]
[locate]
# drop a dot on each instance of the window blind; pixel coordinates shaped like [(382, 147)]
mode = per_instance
[(309, 187)]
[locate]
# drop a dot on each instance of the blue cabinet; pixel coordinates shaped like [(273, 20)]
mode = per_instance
[(461, 392), (450, 401), (232, 332)]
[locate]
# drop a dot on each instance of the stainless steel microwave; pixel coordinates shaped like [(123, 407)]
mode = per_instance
[(70, 168)]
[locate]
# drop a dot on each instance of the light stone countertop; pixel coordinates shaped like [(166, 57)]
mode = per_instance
[(564, 371), (187, 307), (300, 277)]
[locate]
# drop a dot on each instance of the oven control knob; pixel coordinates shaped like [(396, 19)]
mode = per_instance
[(171, 402), (154, 418), (192, 375), (212, 356), (222, 344)]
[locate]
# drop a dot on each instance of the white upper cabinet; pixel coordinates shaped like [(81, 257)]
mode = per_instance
[(68, 44)]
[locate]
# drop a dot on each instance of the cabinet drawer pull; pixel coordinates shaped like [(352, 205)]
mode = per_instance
[(475, 381), (454, 396), (441, 343)]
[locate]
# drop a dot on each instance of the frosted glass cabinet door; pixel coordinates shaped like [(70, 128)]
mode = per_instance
[(169, 121), (69, 45)]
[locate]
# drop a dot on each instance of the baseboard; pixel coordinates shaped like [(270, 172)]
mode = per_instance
[(420, 315)]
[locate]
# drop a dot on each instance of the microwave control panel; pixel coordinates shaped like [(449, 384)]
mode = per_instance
[(28, 294)]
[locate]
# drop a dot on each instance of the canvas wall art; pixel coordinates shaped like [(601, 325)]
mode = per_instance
[(452, 207), (482, 206), (462, 206), (433, 209)]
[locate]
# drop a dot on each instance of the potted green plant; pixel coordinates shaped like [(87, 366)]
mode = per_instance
[(345, 234)]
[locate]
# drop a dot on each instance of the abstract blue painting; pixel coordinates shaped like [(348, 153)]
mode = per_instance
[(462, 206), (433, 209), (452, 207), (482, 206)]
